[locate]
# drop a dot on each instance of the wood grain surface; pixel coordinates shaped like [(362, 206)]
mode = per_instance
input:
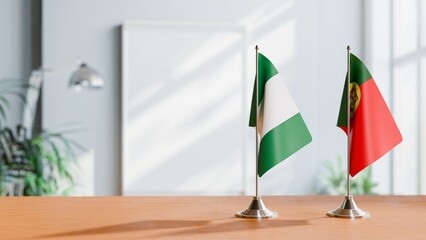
[(300, 217)]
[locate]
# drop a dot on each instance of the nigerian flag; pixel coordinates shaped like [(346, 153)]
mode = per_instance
[(281, 127)]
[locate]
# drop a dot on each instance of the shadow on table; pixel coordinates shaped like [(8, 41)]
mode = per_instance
[(238, 225), (130, 227), (195, 226)]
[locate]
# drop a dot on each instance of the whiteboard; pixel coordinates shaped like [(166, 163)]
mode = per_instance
[(183, 114)]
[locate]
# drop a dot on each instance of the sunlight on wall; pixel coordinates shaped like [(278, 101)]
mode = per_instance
[(266, 12), (217, 44)]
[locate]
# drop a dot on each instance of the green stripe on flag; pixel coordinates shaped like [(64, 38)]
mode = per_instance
[(359, 73), (266, 71), (282, 141), (252, 119)]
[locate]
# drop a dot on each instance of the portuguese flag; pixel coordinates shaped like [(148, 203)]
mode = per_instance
[(373, 129), (281, 127)]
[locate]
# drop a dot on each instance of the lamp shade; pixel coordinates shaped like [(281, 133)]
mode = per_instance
[(86, 77)]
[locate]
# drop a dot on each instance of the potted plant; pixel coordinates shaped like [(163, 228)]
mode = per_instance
[(333, 180), (33, 165)]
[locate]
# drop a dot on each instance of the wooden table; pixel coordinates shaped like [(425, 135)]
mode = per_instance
[(301, 217)]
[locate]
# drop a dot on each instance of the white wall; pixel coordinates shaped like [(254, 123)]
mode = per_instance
[(402, 171), (310, 54), (15, 47)]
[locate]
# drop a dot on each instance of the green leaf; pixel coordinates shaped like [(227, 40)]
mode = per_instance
[(30, 180)]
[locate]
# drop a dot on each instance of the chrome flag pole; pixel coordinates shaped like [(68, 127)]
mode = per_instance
[(348, 209), (257, 208)]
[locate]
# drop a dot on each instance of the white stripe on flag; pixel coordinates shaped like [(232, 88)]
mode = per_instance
[(277, 105)]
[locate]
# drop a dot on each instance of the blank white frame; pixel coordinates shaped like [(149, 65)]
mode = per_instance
[(125, 93)]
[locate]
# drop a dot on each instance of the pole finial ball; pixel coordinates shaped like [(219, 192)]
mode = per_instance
[(257, 47), (349, 48)]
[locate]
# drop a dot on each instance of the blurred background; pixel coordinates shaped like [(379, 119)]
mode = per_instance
[(172, 115)]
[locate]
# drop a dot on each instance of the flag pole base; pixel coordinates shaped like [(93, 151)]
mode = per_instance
[(257, 209), (348, 209)]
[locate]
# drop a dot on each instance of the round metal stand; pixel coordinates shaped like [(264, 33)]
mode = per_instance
[(257, 209), (348, 209)]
